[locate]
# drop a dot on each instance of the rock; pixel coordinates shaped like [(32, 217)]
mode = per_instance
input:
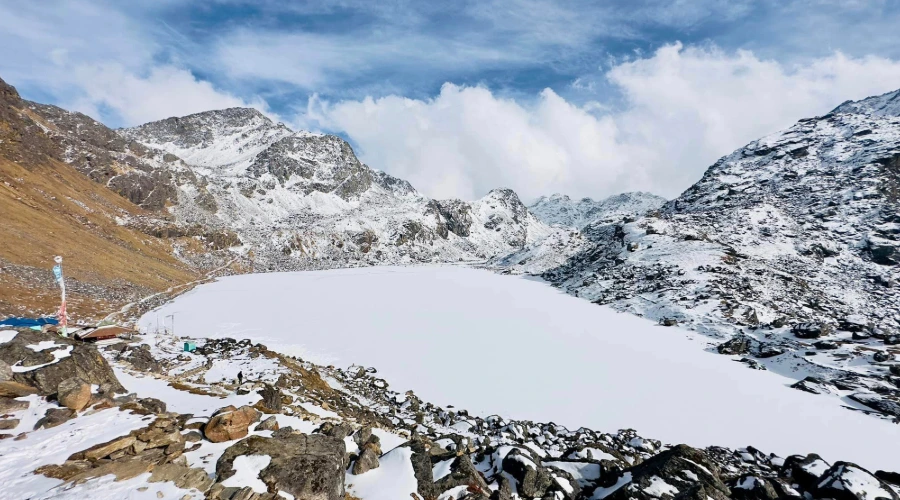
[(54, 417), (847, 481), (877, 402), (367, 461), (269, 424), (664, 474), (303, 465), (231, 424), (462, 473), (9, 424), (127, 468), (102, 450), (73, 393), (12, 389), (825, 345), (193, 437), (421, 464), (752, 487), (362, 435), (812, 385), (882, 356), (861, 336), (895, 369), (271, 399), (142, 359), (6, 372), (804, 471), (160, 437), (340, 431), (65, 471), (532, 480), (149, 406), (182, 476), (8, 405), (810, 330), (739, 344), (668, 322)]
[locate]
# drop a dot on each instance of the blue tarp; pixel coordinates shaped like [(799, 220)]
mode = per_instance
[(28, 322)]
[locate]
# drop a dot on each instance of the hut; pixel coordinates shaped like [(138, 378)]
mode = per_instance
[(103, 333)]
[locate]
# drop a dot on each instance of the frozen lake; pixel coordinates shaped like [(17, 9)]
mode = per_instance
[(522, 349)]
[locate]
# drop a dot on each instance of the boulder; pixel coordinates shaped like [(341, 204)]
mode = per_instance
[(271, 399), (183, 476), (6, 372), (462, 473), (847, 481), (681, 472), (54, 417), (73, 393), (303, 465), (810, 330), (230, 424), (882, 356), (9, 424), (12, 389), (269, 424), (752, 487), (804, 471), (367, 461), (532, 480), (739, 344), (83, 362), (340, 431)]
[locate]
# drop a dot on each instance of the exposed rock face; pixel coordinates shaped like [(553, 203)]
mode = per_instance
[(230, 423), (305, 466), (66, 360), (846, 481)]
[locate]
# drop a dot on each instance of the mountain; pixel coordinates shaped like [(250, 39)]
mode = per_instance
[(231, 191), (298, 200), (788, 247), (559, 209), (48, 208)]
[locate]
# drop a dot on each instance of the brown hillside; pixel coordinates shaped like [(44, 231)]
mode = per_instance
[(48, 208)]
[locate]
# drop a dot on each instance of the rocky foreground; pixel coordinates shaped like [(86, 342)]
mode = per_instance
[(143, 417)]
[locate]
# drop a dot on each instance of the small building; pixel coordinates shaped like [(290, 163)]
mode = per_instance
[(103, 333)]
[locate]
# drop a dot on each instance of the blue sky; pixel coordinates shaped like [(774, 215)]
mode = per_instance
[(589, 98)]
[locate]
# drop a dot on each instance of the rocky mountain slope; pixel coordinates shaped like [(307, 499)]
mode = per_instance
[(559, 209), (49, 208), (789, 247), (227, 191), (163, 423), (302, 200)]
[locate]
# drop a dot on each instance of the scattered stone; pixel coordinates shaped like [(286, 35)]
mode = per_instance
[(739, 344), (811, 330), (882, 356)]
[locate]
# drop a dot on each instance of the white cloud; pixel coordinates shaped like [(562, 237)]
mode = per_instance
[(684, 108), (163, 92)]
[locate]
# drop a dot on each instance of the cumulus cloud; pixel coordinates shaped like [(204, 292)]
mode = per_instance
[(683, 107), (134, 99)]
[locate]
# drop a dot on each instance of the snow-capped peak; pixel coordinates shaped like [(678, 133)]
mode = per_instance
[(881, 105), (560, 209)]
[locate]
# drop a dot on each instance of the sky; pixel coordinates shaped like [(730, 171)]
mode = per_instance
[(585, 98)]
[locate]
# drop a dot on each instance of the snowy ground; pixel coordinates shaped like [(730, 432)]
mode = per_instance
[(517, 347)]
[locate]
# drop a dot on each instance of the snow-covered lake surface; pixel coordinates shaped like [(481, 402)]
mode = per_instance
[(519, 348)]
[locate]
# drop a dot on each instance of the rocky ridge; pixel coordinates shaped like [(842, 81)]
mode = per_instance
[(323, 432), (788, 247)]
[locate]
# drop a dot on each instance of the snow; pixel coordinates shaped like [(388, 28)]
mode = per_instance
[(558, 358), (43, 345), (58, 354), (7, 335), (177, 400), (246, 472), (19, 459), (393, 479), (659, 487)]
